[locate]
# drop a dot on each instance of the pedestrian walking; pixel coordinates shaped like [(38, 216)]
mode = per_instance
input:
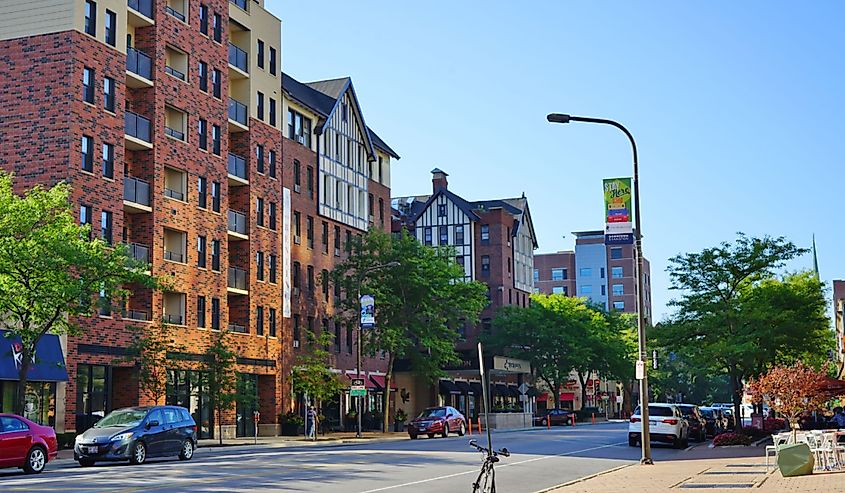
[(312, 423)]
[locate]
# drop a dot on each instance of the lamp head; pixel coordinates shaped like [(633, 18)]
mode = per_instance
[(557, 118)]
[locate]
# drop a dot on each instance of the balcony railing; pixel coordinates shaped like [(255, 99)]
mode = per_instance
[(136, 190), (237, 222), (175, 73), (237, 166), (171, 318), (137, 126), (237, 278), (244, 4), (175, 13), (238, 58), (137, 315), (237, 328), (237, 111), (176, 134), (144, 7), (174, 256), (139, 63), (139, 252)]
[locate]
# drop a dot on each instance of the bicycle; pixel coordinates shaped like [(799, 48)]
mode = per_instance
[(486, 480)]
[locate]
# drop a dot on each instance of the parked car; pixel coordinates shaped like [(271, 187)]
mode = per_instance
[(553, 417), (715, 421), (666, 424), (695, 420), (25, 444), (138, 433), (437, 421)]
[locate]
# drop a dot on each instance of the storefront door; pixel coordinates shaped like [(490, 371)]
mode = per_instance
[(189, 389), (92, 395), (247, 404)]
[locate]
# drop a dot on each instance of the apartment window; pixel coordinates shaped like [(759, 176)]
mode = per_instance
[(202, 130), (88, 85), (349, 339), (201, 311), (272, 259), (536, 275), (204, 19), (485, 233), (310, 273), (370, 205), (215, 139), (558, 290), (174, 183), (174, 123), (259, 211), (348, 240), (296, 177), (295, 274), (601, 273), (297, 227), (215, 196), (260, 53), (202, 74), (216, 81), (441, 210), (558, 274), (272, 111), (111, 27), (272, 321), (324, 238), (272, 61), (616, 272), (299, 128), (459, 235), (485, 265), (324, 276), (259, 265), (309, 231), (108, 160), (618, 290), (585, 272), (259, 158), (337, 333), (381, 210), (176, 8), (272, 213), (217, 26), (309, 181), (201, 254), (174, 308), (260, 105), (104, 304), (215, 255), (90, 17), (85, 215), (336, 239), (427, 232), (215, 314), (296, 330), (174, 245), (616, 253), (460, 260), (106, 226), (586, 289), (108, 94), (271, 157), (444, 235), (619, 305), (603, 291), (343, 111)]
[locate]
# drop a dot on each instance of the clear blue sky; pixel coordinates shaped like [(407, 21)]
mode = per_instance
[(737, 108)]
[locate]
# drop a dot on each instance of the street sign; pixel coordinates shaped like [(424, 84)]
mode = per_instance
[(523, 397), (523, 389), (511, 365), (357, 389), (640, 369), (368, 312)]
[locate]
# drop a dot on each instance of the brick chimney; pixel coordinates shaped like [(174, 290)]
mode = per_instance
[(438, 179)]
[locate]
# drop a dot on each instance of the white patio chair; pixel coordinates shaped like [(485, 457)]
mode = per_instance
[(778, 439)]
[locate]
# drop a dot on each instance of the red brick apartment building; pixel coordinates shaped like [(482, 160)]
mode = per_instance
[(166, 117)]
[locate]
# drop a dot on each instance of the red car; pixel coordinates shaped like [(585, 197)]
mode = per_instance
[(437, 421), (25, 444)]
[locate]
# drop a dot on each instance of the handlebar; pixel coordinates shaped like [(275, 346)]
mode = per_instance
[(504, 451)]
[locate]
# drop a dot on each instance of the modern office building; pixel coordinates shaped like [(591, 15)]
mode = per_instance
[(166, 118)]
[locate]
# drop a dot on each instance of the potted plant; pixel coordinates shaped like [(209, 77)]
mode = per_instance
[(399, 420), (291, 422)]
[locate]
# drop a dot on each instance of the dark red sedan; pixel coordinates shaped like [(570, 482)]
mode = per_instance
[(25, 444), (437, 421)]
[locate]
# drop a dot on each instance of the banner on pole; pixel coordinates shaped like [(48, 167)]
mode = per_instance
[(618, 229), (368, 311)]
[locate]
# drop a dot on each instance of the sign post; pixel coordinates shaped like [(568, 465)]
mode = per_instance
[(485, 391), (640, 369), (357, 389), (256, 416)]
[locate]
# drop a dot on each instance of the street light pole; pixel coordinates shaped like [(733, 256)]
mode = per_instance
[(638, 251)]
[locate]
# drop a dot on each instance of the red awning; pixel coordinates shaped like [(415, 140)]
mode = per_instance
[(833, 386), (379, 381), (564, 396)]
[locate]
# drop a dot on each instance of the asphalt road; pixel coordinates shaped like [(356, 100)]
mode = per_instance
[(539, 459)]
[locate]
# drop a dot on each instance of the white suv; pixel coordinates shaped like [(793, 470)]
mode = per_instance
[(666, 423)]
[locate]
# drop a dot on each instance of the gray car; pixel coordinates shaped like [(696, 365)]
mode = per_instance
[(135, 434)]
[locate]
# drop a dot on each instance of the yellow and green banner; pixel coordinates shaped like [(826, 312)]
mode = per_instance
[(618, 211)]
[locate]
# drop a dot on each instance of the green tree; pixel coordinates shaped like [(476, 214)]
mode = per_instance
[(421, 300), (312, 373), (50, 271), (735, 316), (148, 350), (219, 362), (621, 352)]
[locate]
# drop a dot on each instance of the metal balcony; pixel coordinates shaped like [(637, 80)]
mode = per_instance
[(139, 252), (141, 65), (237, 279), (237, 223), (238, 113), (142, 7), (237, 170), (137, 132), (238, 58), (136, 195)]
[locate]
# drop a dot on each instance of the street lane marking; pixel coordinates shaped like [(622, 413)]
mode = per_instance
[(534, 459)]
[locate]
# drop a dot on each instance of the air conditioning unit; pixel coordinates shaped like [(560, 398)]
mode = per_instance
[(297, 239), (296, 291), (300, 139), (295, 343), (296, 188)]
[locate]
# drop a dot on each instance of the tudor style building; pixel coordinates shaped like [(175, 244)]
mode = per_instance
[(494, 242)]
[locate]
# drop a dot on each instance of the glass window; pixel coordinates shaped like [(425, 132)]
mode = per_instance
[(272, 322), (271, 155), (215, 313), (259, 264), (171, 415), (259, 156), (444, 235), (259, 320), (459, 234), (272, 61), (485, 232), (216, 79), (90, 17), (618, 305), (272, 111), (88, 85), (586, 289), (441, 210), (200, 311), (272, 213), (603, 290), (111, 28), (260, 53), (108, 160), (260, 105), (217, 25), (9, 424), (272, 268), (215, 255), (215, 196), (485, 264), (557, 275), (558, 290), (201, 256), (618, 290), (601, 272), (204, 19), (616, 253), (585, 272), (616, 272), (427, 236), (202, 131), (106, 227), (202, 74), (215, 139), (536, 275)]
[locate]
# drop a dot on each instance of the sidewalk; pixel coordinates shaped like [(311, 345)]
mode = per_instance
[(710, 475)]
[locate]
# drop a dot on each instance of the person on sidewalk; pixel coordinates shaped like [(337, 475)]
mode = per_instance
[(838, 418), (312, 423)]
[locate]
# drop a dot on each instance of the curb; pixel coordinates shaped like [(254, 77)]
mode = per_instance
[(585, 478)]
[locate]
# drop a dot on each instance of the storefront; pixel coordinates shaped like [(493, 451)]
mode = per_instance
[(45, 373), (189, 389)]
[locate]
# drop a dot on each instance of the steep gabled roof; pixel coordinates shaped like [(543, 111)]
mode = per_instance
[(465, 206), (331, 87), (382, 144), (315, 100)]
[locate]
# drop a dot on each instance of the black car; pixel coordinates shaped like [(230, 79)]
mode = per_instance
[(138, 433), (697, 423), (714, 421), (553, 417)]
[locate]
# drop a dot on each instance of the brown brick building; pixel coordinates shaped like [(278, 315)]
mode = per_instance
[(166, 117)]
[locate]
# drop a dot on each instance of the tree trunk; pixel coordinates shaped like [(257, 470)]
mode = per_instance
[(583, 382), (736, 393), (20, 402), (387, 379), (556, 391)]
